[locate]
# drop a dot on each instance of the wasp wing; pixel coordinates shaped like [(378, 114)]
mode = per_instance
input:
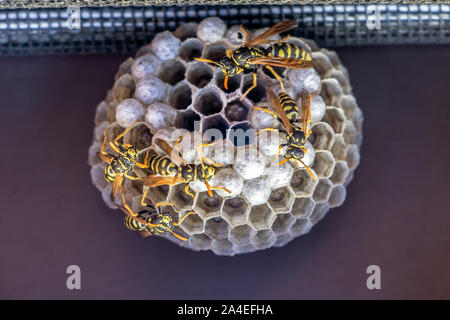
[(283, 62), (276, 29), (154, 181), (306, 111), (174, 156), (117, 185), (279, 109)]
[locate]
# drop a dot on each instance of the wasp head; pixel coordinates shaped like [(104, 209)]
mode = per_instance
[(208, 172), (294, 153), (130, 152)]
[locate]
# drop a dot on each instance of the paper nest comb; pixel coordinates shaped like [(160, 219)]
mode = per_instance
[(269, 205)]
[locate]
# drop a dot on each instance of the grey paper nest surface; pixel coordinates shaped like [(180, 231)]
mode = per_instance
[(269, 205)]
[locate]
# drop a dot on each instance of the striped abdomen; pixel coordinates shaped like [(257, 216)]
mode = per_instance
[(162, 165), (119, 165), (133, 224), (289, 106), (288, 50)]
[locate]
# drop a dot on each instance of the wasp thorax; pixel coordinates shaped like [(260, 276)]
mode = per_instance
[(207, 172)]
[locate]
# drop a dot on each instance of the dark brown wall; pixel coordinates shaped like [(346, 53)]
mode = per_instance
[(396, 214)]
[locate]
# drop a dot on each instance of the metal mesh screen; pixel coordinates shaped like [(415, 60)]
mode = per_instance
[(124, 29)]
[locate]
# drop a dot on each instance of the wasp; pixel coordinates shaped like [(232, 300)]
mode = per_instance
[(174, 165), (153, 220), (288, 113), (118, 166), (249, 56)]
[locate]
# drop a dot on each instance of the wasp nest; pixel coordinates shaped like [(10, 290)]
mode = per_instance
[(269, 205)]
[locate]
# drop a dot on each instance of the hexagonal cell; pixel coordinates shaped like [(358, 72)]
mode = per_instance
[(215, 126), (348, 105), (200, 242), (281, 200), (350, 133), (340, 173), (215, 51), (279, 176), (193, 224), (235, 211), (199, 74), (341, 78), (319, 212), (335, 118), (180, 96), (180, 198), (123, 88), (302, 183), (303, 207), (186, 30), (234, 82), (171, 72), (139, 136), (300, 227), (352, 156), (206, 206), (322, 63), (283, 223), (191, 49), (242, 134), (258, 93), (242, 234), (217, 229), (323, 164), (264, 239), (331, 91), (337, 196), (339, 147), (222, 247), (158, 194), (208, 102), (186, 120), (322, 191), (322, 136), (261, 217), (283, 239), (236, 111), (256, 191)]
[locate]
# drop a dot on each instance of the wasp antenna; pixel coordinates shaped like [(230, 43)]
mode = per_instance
[(308, 169), (178, 236), (207, 60)]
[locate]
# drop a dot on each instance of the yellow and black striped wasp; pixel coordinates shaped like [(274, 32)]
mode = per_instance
[(249, 56), (174, 165), (287, 112), (153, 220), (118, 166)]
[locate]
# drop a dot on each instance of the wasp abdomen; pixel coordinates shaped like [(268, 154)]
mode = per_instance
[(133, 224), (162, 165), (289, 106), (288, 51)]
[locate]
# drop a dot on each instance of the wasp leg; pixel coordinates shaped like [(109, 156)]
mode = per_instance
[(123, 133), (124, 203), (267, 129), (184, 217), (202, 158), (186, 190), (276, 76), (245, 32), (278, 152), (175, 145), (103, 155), (144, 196), (221, 188), (228, 53), (178, 236), (267, 110), (164, 204), (253, 86)]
